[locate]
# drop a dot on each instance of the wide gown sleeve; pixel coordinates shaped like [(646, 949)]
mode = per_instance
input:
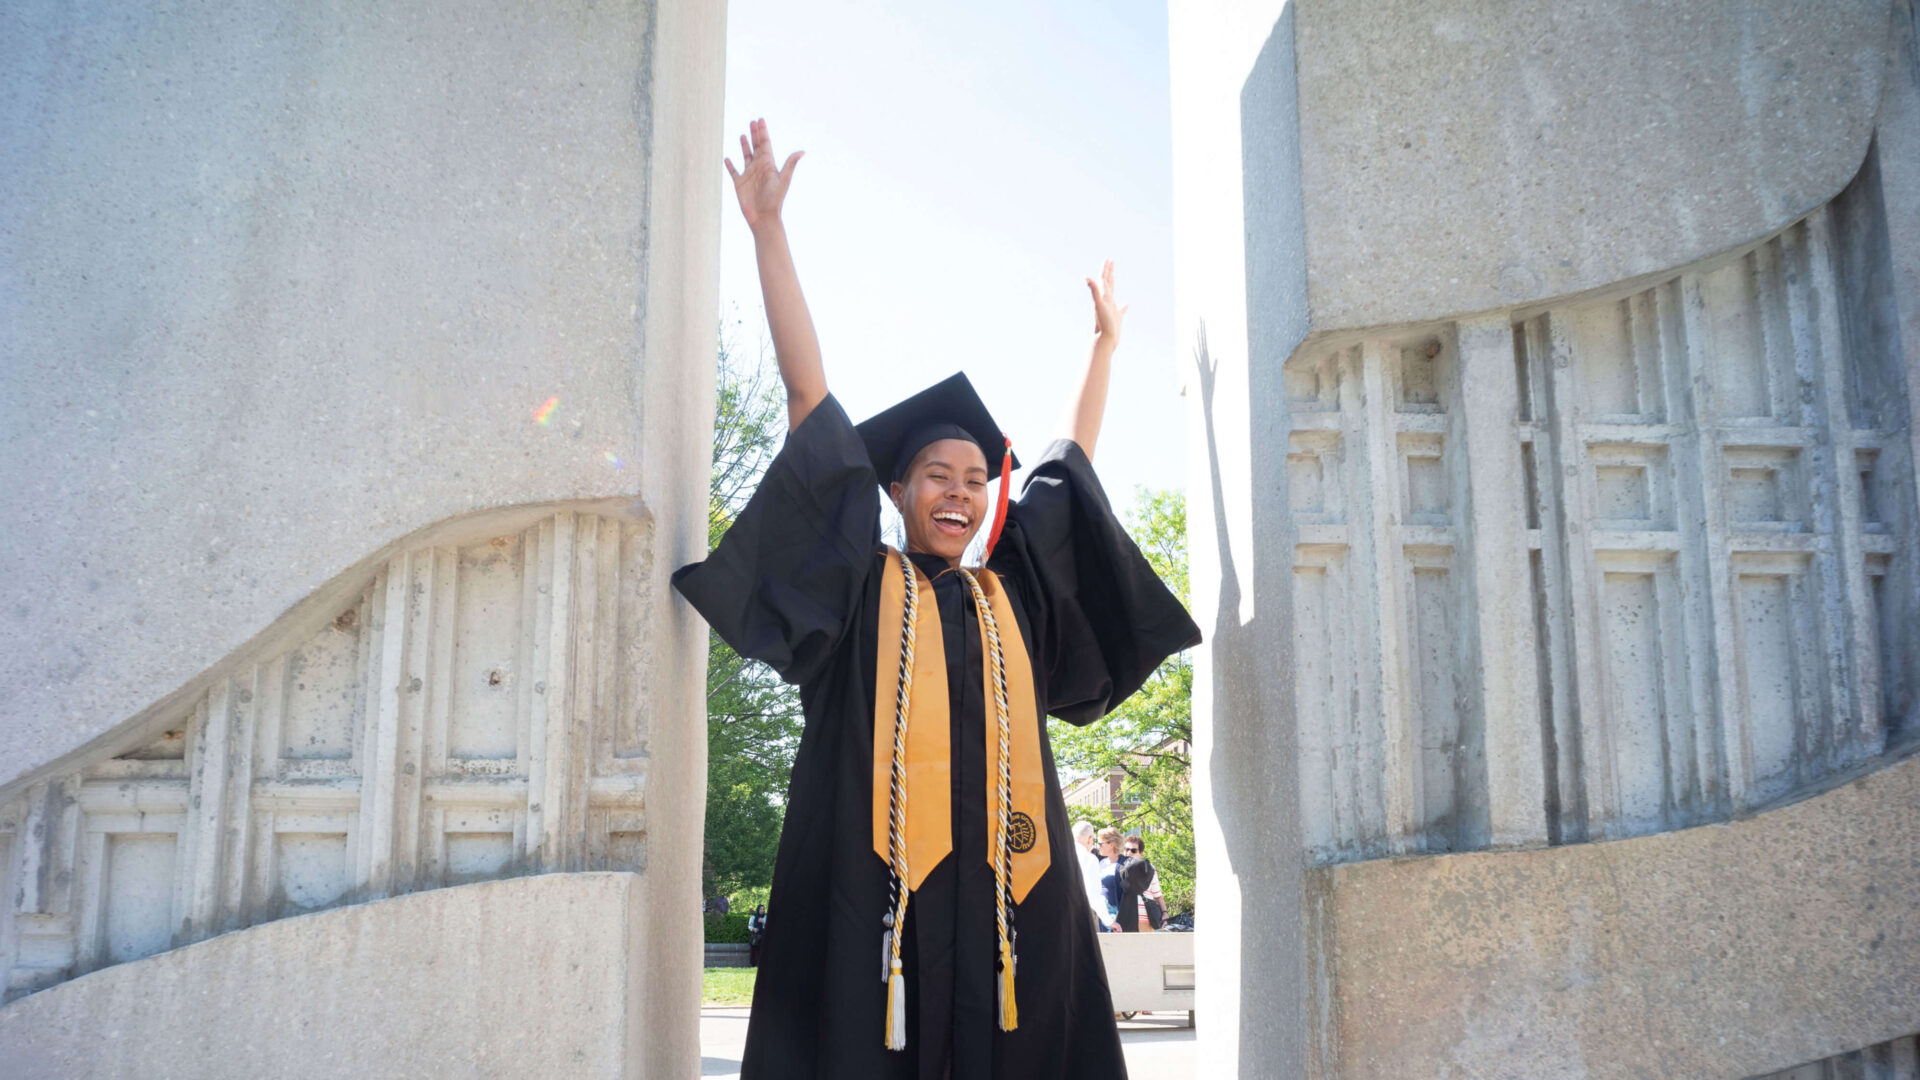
[(786, 580), (1106, 621)]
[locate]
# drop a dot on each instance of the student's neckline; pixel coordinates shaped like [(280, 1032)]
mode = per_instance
[(929, 564)]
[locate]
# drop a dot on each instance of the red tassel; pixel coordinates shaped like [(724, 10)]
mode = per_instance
[(1000, 506)]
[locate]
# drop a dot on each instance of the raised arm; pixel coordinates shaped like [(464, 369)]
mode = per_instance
[(1089, 403), (761, 188)]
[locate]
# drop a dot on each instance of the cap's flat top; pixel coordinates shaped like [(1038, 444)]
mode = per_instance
[(895, 435)]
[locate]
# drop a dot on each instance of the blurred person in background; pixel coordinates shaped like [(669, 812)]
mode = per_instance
[(1083, 833), (1153, 910)]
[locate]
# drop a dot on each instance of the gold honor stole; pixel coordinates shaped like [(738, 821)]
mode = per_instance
[(929, 817)]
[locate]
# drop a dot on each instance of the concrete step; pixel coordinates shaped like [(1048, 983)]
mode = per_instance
[(726, 955)]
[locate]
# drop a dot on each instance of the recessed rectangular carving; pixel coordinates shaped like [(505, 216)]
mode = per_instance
[(137, 895), (1632, 486), (1890, 635), (310, 869), (1427, 496), (1755, 496), (1340, 765), (1315, 488), (1617, 348), (473, 856), (1436, 706), (1621, 493), (483, 722), (1313, 383), (1774, 620), (1603, 346), (1765, 492), (1530, 477), (1742, 375), (1523, 377), (1420, 376), (627, 850), (1872, 499), (1426, 490), (1305, 485), (323, 699), (1636, 696)]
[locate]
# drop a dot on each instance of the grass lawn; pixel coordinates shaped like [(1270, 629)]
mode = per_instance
[(727, 986)]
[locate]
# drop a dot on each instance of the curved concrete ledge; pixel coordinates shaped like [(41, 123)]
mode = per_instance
[(1406, 161), (1668, 955), (1465, 156), (537, 976)]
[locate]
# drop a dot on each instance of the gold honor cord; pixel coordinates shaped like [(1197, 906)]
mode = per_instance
[(1002, 803), (921, 762), (896, 918)]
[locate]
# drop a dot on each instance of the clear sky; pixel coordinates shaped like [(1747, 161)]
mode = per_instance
[(967, 166)]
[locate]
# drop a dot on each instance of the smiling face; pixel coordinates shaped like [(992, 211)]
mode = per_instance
[(943, 498)]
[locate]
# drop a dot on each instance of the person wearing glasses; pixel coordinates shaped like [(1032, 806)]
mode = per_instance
[(1152, 907)]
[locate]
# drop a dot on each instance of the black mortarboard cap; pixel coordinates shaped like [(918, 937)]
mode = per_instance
[(949, 409)]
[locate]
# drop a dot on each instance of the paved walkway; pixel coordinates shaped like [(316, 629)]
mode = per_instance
[(1159, 1046)]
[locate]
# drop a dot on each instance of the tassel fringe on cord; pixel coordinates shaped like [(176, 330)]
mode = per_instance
[(1009, 1010), (896, 1009), (896, 919)]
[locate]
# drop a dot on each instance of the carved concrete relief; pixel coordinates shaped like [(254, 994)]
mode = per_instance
[(1614, 567), (476, 711)]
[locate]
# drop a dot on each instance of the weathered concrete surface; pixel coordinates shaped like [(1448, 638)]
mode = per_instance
[(1466, 155), (283, 284), (1149, 972), (1725, 950), (536, 976), (1429, 160)]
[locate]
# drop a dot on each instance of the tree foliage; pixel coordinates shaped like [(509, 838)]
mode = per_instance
[(753, 718), (1150, 735)]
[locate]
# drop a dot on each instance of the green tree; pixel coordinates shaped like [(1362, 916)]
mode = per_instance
[(1150, 736), (753, 718)]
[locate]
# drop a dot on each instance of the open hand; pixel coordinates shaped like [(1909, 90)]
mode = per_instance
[(759, 186), (1107, 314)]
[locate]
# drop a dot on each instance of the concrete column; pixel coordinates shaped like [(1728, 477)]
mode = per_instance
[(370, 292)]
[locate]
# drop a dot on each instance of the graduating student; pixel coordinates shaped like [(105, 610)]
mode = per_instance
[(932, 919)]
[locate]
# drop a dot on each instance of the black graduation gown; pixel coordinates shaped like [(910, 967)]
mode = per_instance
[(796, 582), (1135, 877)]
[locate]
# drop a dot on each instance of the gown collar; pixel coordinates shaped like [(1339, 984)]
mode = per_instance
[(932, 566)]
